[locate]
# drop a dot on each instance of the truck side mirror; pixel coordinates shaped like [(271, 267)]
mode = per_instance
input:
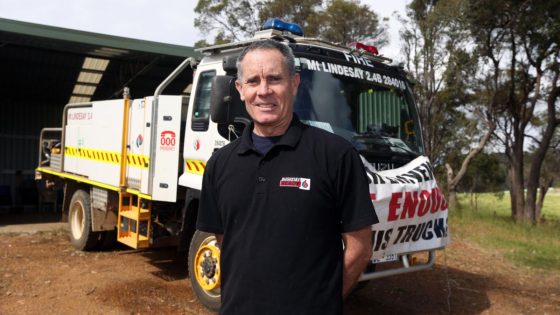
[(226, 106)]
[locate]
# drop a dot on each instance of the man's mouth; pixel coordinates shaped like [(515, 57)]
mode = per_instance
[(264, 106)]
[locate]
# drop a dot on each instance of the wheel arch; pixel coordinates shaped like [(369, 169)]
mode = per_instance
[(189, 216), (70, 188)]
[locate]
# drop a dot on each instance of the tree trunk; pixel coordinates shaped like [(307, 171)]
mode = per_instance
[(451, 188), (530, 208), (530, 205), (512, 196), (453, 181), (476, 202), (540, 200), (452, 199), (474, 206), (516, 190)]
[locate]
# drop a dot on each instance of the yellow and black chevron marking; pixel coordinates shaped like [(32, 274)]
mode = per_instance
[(195, 166), (136, 160)]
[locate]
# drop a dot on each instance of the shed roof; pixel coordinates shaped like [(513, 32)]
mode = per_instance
[(44, 64)]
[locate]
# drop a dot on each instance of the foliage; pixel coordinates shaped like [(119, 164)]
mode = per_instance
[(486, 173), (518, 42), (491, 226), (235, 20), (442, 67), (438, 57), (363, 26), (306, 13), (551, 167)]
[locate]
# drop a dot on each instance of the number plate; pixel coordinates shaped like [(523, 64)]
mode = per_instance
[(386, 258)]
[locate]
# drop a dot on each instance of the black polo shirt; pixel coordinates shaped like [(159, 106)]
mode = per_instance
[(282, 215)]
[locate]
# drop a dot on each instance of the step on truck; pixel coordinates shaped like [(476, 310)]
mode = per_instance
[(131, 169)]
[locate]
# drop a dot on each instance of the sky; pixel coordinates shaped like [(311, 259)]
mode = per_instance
[(166, 21)]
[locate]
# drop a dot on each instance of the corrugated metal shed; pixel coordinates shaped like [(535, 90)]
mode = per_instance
[(40, 67)]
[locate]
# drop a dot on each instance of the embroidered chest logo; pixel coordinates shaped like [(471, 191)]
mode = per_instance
[(296, 182)]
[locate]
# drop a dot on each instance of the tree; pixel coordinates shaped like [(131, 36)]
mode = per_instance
[(550, 173), (346, 21), (306, 13), (519, 41), (235, 20), (426, 59), (439, 61), (486, 173), (454, 179)]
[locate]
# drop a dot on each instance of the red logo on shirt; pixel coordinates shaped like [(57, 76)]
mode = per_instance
[(296, 182)]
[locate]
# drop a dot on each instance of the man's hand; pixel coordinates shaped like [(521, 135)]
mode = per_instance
[(357, 253)]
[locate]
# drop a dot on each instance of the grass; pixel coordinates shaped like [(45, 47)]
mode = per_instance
[(491, 226)]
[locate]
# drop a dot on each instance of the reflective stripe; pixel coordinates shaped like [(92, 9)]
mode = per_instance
[(135, 160), (91, 182), (195, 166)]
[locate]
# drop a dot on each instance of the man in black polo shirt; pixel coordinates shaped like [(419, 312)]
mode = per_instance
[(282, 199)]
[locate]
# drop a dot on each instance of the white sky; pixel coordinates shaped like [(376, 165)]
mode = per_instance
[(167, 21)]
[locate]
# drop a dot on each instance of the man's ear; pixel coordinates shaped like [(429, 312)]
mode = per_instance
[(239, 88), (295, 83)]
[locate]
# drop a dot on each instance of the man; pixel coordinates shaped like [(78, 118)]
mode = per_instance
[(282, 199)]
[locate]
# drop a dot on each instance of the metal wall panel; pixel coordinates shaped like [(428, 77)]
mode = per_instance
[(20, 124)]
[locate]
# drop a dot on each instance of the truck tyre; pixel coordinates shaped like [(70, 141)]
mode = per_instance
[(79, 220), (204, 269)]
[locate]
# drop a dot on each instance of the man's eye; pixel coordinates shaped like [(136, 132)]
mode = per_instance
[(251, 82)]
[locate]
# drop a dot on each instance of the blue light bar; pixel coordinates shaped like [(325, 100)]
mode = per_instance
[(280, 25)]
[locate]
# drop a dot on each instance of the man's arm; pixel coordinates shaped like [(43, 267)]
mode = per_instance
[(220, 239), (357, 253)]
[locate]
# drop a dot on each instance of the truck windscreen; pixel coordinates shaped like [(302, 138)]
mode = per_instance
[(379, 121)]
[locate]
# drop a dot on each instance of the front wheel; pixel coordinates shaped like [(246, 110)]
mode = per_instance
[(204, 269), (79, 220)]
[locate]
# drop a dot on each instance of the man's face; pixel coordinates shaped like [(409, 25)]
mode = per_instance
[(267, 88)]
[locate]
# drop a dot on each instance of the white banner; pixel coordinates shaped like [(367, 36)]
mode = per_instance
[(411, 208)]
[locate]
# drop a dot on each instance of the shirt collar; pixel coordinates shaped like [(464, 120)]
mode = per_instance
[(290, 138)]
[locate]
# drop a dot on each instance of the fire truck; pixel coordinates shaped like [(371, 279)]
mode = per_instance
[(131, 169)]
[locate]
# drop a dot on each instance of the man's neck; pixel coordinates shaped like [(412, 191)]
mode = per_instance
[(272, 131)]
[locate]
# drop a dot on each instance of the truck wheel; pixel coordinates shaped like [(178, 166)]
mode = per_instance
[(79, 220), (204, 269)]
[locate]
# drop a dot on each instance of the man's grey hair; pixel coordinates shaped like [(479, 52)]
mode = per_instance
[(289, 59)]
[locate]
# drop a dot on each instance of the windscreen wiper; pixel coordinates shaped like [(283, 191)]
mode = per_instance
[(374, 144)]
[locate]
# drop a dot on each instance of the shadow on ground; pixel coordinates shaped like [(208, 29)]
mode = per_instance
[(11, 218), (436, 291)]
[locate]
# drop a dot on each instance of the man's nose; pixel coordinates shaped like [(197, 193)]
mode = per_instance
[(264, 88)]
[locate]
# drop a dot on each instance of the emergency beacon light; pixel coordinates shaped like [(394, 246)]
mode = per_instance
[(280, 25), (363, 47)]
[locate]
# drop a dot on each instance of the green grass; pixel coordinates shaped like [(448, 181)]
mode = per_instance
[(491, 226)]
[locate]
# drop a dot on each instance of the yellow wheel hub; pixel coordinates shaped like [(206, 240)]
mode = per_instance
[(207, 264)]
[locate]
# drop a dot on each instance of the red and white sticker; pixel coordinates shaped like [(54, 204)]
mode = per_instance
[(296, 182), (167, 140)]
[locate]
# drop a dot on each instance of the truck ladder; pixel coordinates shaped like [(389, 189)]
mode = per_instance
[(134, 221)]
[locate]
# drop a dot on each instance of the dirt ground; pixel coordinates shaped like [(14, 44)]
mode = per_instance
[(41, 273)]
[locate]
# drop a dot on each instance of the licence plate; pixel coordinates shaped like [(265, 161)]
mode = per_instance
[(386, 258)]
